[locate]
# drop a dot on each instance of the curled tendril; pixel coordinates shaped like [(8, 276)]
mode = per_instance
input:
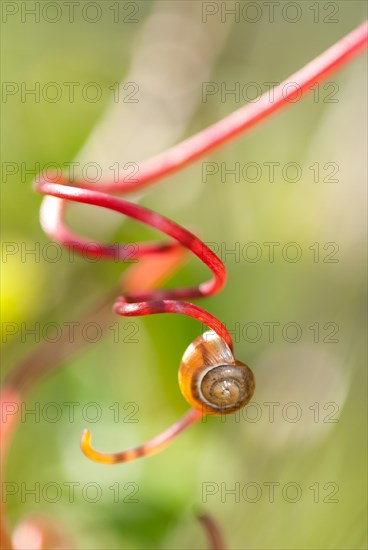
[(144, 302), (147, 301)]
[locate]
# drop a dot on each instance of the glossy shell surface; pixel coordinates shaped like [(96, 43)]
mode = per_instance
[(211, 379)]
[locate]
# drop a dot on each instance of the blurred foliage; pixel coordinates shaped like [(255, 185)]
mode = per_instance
[(305, 292)]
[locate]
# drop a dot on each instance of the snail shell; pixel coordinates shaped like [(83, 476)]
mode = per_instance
[(211, 379)]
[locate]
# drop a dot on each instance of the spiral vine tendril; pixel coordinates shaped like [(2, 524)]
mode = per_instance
[(142, 302), (148, 301)]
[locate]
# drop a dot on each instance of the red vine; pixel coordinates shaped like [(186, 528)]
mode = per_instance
[(148, 302)]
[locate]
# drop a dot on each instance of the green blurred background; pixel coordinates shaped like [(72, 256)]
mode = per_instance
[(323, 459)]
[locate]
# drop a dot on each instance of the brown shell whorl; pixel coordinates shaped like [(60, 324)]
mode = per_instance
[(211, 379)]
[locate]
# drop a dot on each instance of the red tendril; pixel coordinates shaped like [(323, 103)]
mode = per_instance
[(146, 300)]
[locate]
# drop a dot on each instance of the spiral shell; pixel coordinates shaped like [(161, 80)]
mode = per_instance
[(211, 379)]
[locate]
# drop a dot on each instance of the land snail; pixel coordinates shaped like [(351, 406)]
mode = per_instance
[(211, 379)]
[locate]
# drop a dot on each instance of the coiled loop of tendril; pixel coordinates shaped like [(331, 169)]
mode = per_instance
[(59, 193)]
